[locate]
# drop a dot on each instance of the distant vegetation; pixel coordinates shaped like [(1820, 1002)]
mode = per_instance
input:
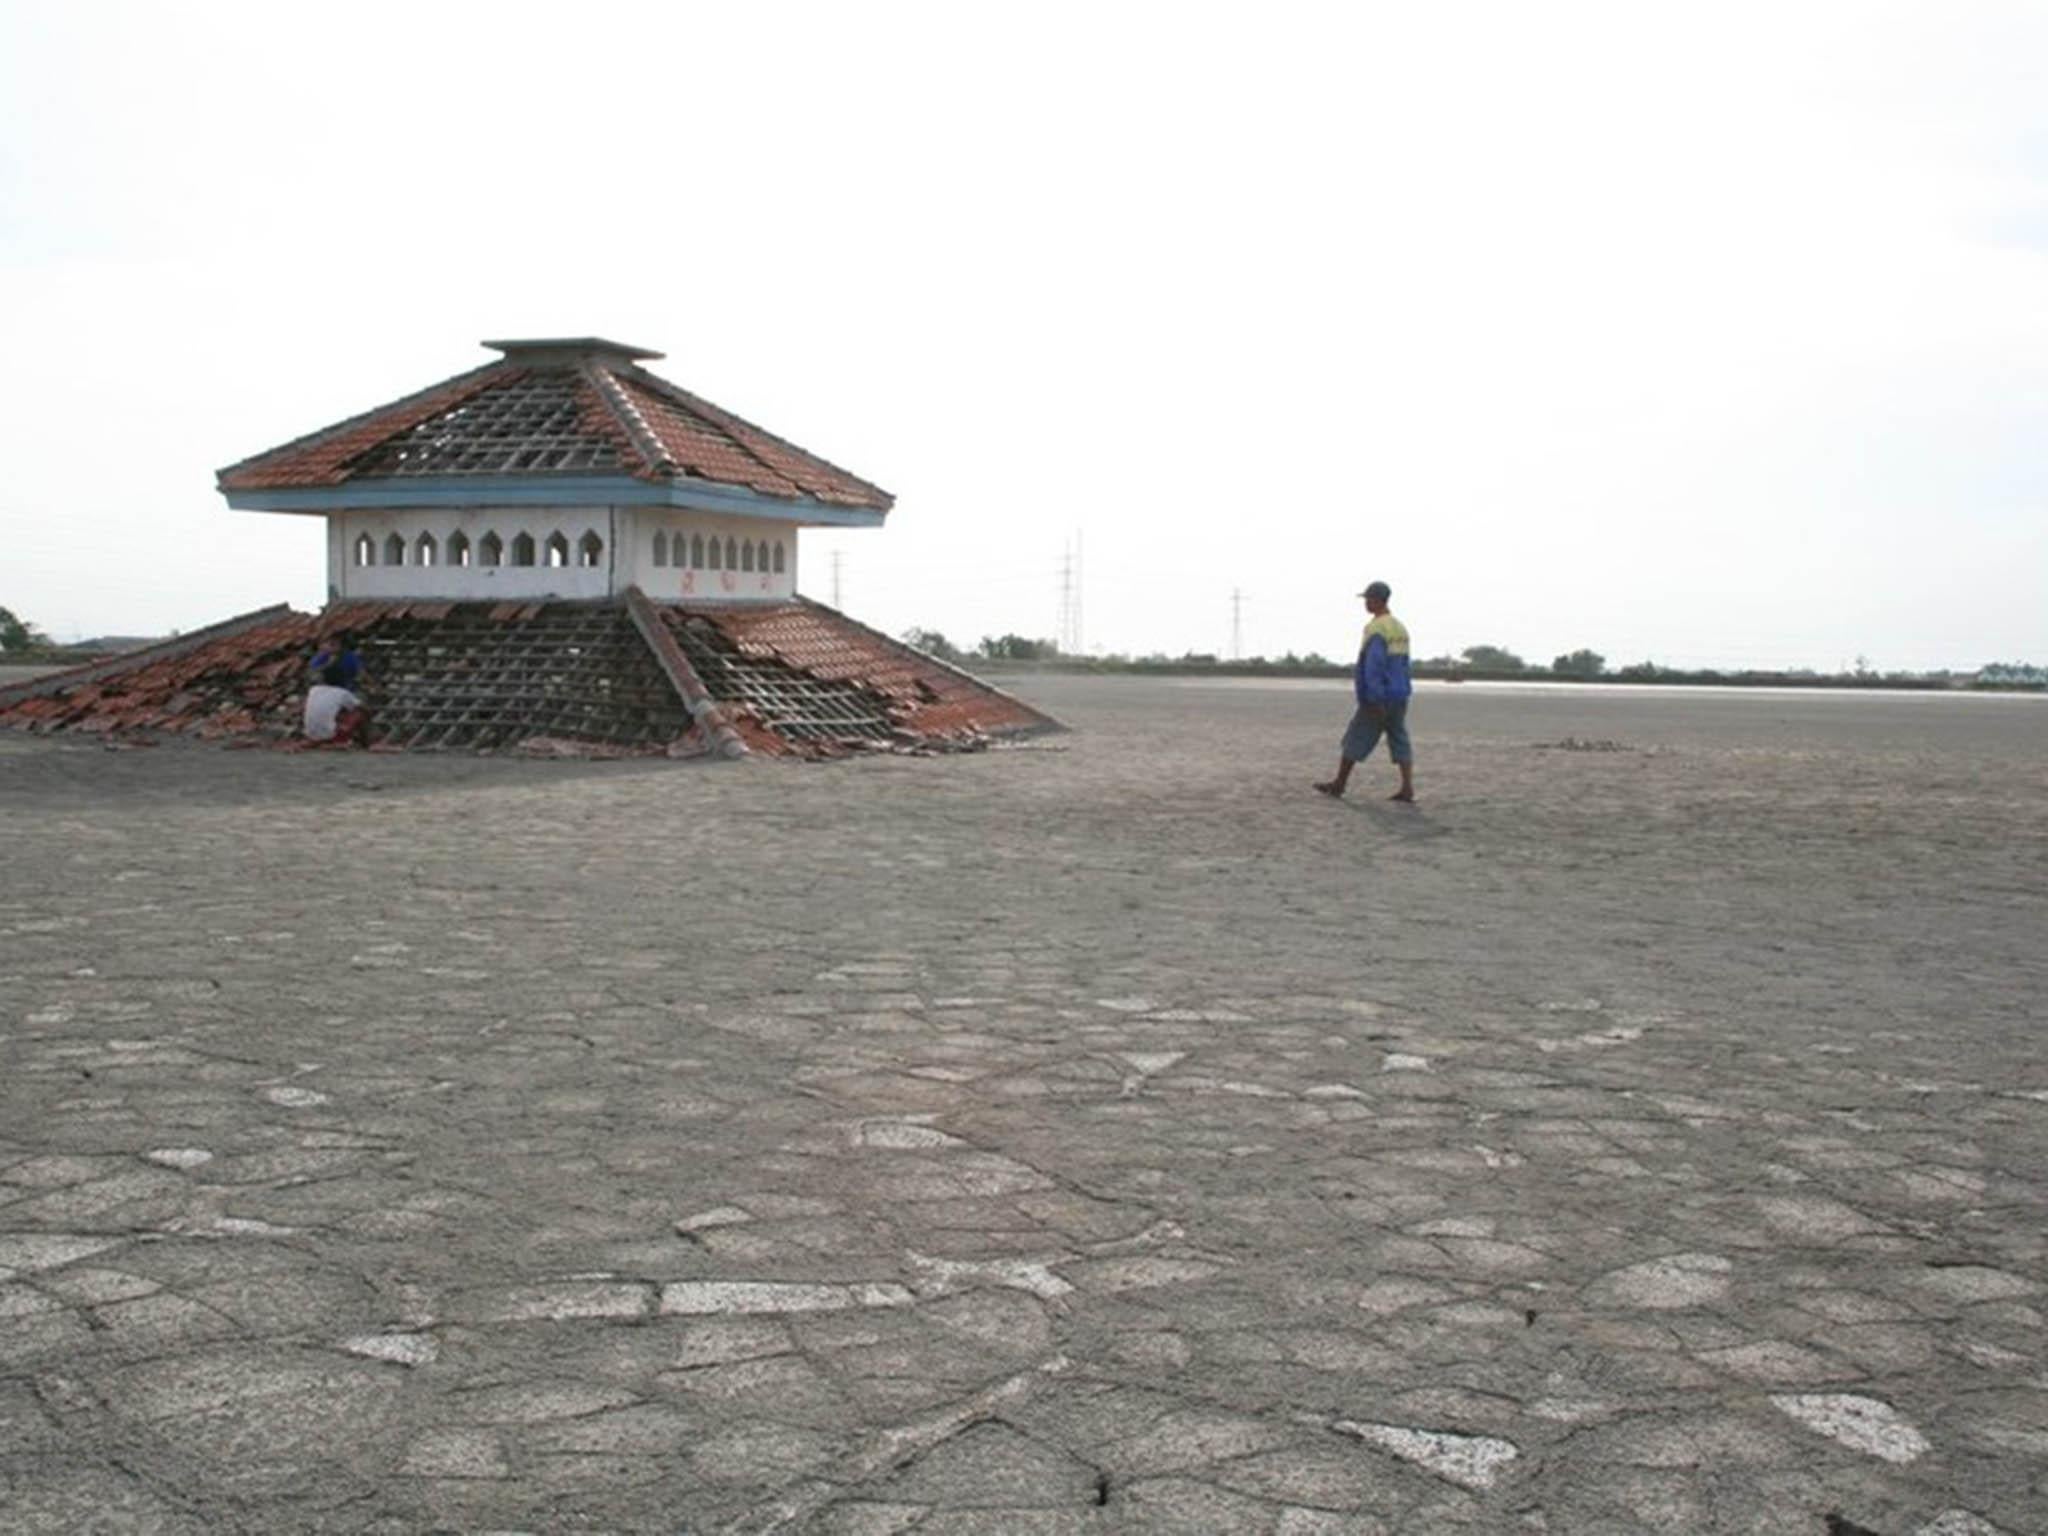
[(1017, 648), (1493, 658), (1475, 662), (991, 648), (21, 641), (22, 644), (932, 643), (1499, 661)]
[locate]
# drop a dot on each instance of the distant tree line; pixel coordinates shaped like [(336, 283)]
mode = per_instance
[(991, 648), (1476, 661), (1498, 658)]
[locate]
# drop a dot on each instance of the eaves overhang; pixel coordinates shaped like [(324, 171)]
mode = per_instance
[(565, 491)]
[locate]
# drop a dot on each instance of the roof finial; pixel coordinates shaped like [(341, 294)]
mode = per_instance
[(560, 351)]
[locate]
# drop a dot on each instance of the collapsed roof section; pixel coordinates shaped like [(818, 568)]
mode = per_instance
[(547, 414), (792, 679)]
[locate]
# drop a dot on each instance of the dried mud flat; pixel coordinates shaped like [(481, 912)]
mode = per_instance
[(1648, 1132)]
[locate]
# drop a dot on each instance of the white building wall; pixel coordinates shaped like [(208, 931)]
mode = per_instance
[(624, 554), (692, 575), (348, 575)]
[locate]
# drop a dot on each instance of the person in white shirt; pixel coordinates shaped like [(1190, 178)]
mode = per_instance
[(334, 714)]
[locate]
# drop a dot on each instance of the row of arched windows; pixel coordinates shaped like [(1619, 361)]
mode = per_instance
[(488, 550), (697, 553)]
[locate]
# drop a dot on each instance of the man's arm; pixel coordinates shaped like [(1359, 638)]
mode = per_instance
[(1372, 672)]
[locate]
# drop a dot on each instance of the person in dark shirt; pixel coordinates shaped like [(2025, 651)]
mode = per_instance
[(339, 653)]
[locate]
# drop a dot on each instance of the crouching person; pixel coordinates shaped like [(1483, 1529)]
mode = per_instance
[(335, 715)]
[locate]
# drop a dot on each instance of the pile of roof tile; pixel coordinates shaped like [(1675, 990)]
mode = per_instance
[(545, 678), (803, 678), (245, 677)]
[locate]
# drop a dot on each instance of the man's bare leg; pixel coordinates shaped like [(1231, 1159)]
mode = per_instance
[(1407, 789), (1334, 788)]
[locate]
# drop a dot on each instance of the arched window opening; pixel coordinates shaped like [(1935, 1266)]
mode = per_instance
[(715, 564), (522, 549), (589, 548), (366, 550), (696, 551), (778, 557), (394, 549), (732, 554), (458, 548), (491, 550), (558, 549), (761, 557), (747, 555), (660, 547), (426, 551)]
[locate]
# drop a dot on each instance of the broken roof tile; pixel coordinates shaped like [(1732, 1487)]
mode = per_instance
[(555, 412)]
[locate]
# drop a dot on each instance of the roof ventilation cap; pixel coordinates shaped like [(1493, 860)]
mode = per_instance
[(559, 351)]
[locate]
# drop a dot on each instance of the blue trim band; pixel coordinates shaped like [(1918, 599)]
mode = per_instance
[(568, 491)]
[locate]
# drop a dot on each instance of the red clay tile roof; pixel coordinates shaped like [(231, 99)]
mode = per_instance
[(323, 457), (795, 679), (249, 679), (688, 427), (563, 413), (801, 664)]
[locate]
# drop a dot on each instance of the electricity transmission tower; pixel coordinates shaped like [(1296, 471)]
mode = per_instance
[(1236, 624), (838, 559), (1070, 598)]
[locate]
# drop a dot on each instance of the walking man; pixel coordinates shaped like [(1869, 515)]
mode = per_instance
[(1382, 686)]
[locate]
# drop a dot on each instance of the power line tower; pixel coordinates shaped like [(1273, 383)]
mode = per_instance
[(1070, 598), (838, 559), (1076, 647), (1236, 624), (1066, 618)]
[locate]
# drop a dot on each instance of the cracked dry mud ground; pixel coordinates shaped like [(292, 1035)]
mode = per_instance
[(1113, 1136)]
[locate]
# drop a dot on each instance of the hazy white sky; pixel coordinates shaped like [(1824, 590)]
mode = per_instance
[(1714, 333)]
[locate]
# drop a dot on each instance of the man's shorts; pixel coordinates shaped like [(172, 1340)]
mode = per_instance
[(1363, 734)]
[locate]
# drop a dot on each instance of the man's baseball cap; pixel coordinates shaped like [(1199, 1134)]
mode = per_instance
[(1378, 589)]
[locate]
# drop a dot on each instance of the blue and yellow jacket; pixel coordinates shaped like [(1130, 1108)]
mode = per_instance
[(1382, 676)]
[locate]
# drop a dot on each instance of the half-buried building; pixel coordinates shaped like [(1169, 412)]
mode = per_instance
[(557, 550)]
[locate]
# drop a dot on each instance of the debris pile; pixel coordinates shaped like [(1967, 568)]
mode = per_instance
[(802, 678), (1583, 744), (246, 677)]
